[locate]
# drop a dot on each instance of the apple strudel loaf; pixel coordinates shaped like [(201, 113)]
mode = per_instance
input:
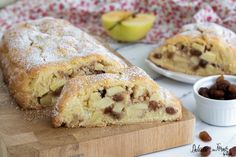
[(38, 57), (128, 97), (199, 49)]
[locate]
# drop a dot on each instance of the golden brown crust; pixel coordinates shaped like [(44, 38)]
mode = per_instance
[(199, 49), (45, 47), (128, 78)]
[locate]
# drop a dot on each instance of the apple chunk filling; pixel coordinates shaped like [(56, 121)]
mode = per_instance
[(196, 56), (121, 102), (47, 87), (128, 97), (49, 98)]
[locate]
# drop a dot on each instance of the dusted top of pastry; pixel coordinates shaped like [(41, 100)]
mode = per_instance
[(210, 29), (50, 40), (199, 49), (38, 57)]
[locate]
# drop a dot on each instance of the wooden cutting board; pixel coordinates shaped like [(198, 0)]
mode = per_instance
[(29, 134)]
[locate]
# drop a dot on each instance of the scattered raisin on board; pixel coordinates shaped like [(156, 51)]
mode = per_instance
[(232, 151), (205, 151), (204, 136), (221, 90)]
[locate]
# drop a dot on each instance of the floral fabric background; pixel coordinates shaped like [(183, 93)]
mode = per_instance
[(170, 14)]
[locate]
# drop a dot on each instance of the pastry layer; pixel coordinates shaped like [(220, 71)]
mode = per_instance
[(199, 49), (38, 57), (101, 100)]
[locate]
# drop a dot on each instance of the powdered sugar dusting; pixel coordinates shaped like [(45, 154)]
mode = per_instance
[(50, 40), (166, 96), (133, 72), (212, 29)]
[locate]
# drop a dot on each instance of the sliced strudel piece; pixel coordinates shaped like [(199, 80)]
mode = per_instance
[(38, 57), (199, 49), (101, 100)]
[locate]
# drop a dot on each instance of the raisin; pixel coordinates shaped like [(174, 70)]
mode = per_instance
[(102, 93), (170, 110), (204, 136), (157, 55), (232, 89), (170, 55), (203, 63), (99, 71), (206, 151), (214, 86), (153, 105), (203, 91), (132, 96), (214, 65), (195, 52), (182, 48), (223, 85), (108, 110), (230, 96), (217, 94), (221, 90), (118, 97), (134, 15), (232, 151)]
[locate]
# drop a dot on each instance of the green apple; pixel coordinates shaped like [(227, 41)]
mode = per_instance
[(126, 26)]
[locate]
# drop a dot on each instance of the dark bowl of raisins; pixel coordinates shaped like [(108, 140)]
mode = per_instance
[(216, 99)]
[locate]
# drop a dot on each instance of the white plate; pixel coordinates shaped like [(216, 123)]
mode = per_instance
[(191, 79)]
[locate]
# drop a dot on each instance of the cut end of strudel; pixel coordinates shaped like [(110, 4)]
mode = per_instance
[(38, 57), (114, 99), (199, 49)]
